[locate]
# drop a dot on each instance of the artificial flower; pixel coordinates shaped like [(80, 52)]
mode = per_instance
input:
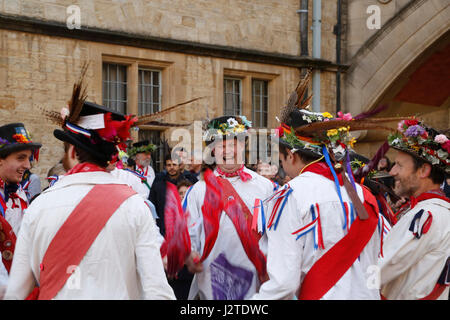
[(440, 138)]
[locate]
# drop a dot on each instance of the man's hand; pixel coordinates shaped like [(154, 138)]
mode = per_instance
[(193, 264)]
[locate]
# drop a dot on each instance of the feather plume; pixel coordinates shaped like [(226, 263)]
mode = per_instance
[(78, 96), (371, 113), (211, 209), (296, 98), (177, 242), (167, 124), (151, 117), (53, 116)]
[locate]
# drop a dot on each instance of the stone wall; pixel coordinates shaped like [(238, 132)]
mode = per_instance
[(38, 71), (266, 25)]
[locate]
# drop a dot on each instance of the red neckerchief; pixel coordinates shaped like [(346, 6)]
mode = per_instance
[(240, 172), (85, 167), (437, 193), (322, 169), (413, 201), (11, 195)]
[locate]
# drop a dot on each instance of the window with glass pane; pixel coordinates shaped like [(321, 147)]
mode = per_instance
[(232, 96), (149, 91), (260, 102), (154, 136), (115, 87)]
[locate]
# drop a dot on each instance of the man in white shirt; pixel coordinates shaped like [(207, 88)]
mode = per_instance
[(16, 150), (318, 245), (226, 272), (123, 261), (141, 152), (417, 249)]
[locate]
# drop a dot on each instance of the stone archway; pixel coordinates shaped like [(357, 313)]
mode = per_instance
[(389, 52)]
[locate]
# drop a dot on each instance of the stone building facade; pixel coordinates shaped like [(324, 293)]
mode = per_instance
[(176, 50)]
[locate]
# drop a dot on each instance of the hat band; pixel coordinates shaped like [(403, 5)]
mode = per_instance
[(77, 130)]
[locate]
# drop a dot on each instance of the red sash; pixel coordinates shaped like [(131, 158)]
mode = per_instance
[(76, 235), (327, 271), (7, 242), (249, 238)]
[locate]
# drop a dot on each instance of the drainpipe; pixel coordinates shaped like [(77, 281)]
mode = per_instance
[(316, 27), (338, 32)]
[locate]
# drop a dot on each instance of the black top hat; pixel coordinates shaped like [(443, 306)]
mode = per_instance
[(88, 137), (141, 143), (14, 137)]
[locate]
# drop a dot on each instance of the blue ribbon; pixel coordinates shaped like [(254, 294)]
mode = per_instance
[(336, 182)]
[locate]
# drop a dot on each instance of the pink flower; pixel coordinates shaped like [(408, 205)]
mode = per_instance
[(400, 126), (440, 138), (346, 116)]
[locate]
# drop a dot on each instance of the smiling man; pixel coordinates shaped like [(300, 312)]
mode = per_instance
[(16, 150), (228, 268), (417, 250)]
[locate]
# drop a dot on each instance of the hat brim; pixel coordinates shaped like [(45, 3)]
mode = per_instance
[(74, 140), (8, 149)]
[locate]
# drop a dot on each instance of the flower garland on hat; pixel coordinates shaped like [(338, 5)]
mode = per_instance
[(424, 142), (233, 126)]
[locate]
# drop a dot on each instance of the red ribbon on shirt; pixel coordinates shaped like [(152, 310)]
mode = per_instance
[(329, 269)]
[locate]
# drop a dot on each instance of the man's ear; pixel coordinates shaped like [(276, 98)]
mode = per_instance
[(425, 170), (72, 152)]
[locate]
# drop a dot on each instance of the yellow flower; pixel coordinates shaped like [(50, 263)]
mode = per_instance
[(239, 129), (352, 142), (332, 132), (327, 115), (344, 128)]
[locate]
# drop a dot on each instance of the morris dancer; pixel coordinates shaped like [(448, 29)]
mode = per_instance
[(89, 236), (417, 250), (324, 230), (233, 266), (16, 150), (141, 153)]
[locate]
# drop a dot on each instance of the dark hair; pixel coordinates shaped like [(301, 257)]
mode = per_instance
[(304, 157), (167, 157), (184, 183), (436, 174), (84, 156)]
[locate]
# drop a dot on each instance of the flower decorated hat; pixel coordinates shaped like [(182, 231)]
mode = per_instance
[(143, 146), (14, 137), (309, 132), (423, 142), (226, 126)]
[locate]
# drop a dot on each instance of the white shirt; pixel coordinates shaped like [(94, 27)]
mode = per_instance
[(227, 262), (411, 266), (132, 180), (14, 217), (289, 259), (124, 261)]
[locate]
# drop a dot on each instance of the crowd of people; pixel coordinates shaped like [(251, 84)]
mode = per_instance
[(321, 224)]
